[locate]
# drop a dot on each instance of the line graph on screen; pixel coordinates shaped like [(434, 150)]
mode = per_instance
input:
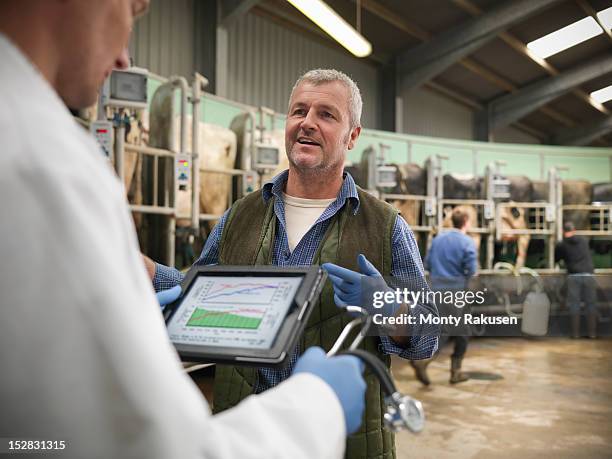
[(247, 293)]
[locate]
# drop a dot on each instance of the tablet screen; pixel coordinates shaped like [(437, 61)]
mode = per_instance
[(241, 312)]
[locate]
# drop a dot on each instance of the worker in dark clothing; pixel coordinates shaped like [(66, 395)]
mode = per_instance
[(581, 286), (451, 261)]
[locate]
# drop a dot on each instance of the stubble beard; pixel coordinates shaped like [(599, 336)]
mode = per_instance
[(323, 168), (318, 170)]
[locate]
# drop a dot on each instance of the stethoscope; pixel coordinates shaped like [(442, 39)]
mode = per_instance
[(403, 411)]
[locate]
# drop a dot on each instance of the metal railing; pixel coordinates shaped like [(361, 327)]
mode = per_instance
[(424, 223), (600, 222), (162, 186), (536, 220), (482, 206)]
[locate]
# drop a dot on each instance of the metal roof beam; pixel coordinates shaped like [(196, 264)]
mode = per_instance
[(390, 119), (521, 47), (402, 24), (395, 19), (231, 10), (424, 62), (588, 9), (421, 34), (584, 135), (512, 107)]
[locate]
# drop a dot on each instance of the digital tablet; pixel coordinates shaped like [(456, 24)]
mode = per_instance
[(242, 315)]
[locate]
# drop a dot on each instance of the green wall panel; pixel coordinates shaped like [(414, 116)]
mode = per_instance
[(396, 151), (593, 164), (593, 169), (460, 160), (219, 113), (527, 164)]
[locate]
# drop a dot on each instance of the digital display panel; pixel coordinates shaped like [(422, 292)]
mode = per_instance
[(239, 312)]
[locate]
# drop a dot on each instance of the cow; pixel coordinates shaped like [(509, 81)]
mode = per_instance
[(574, 192), (540, 190), (359, 171), (217, 149), (355, 172), (577, 192), (521, 190), (410, 179), (469, 187), (136, 133), (460, 186), (601, 192)]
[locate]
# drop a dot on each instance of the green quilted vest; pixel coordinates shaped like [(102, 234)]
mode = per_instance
[(247, 239)]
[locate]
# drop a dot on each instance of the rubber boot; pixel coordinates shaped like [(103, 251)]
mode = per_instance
[(575, 318), (592, 324), (456, 375), (420, 370)]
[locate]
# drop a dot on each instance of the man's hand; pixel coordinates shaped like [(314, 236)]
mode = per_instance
[(344, 376), (357, 289), (168, 296), (150, 265)]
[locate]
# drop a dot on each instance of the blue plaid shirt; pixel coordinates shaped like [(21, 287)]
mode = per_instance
[(406, 266)]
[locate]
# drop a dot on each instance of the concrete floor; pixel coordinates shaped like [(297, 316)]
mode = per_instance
[(555, 400)]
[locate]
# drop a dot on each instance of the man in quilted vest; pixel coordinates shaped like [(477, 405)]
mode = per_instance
[(314, 213)]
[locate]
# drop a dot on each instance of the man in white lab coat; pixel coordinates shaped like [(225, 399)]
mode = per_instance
[(86, 366)]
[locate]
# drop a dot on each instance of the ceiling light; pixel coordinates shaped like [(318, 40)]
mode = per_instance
[(602, 95), (565, 37), (340, 30), (605, 16)]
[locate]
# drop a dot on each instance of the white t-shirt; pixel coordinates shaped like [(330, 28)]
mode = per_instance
[(84, 352), (300, 215)]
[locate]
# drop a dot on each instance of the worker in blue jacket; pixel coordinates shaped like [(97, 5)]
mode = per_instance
[(451, 261)]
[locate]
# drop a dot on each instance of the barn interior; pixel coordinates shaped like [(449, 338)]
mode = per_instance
[(502, 107)]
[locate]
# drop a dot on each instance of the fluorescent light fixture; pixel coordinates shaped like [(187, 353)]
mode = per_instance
[(565, 37), (340, 30), (605, 16), (602, 95)]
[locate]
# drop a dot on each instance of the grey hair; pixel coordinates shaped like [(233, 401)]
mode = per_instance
[(320, 76)]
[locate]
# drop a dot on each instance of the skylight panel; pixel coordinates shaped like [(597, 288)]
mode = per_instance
[(602, 95), (605, 16), (565, 38)]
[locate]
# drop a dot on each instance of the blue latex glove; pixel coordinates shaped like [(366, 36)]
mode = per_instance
[(344, 376), (168, 296), (355, 289)]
